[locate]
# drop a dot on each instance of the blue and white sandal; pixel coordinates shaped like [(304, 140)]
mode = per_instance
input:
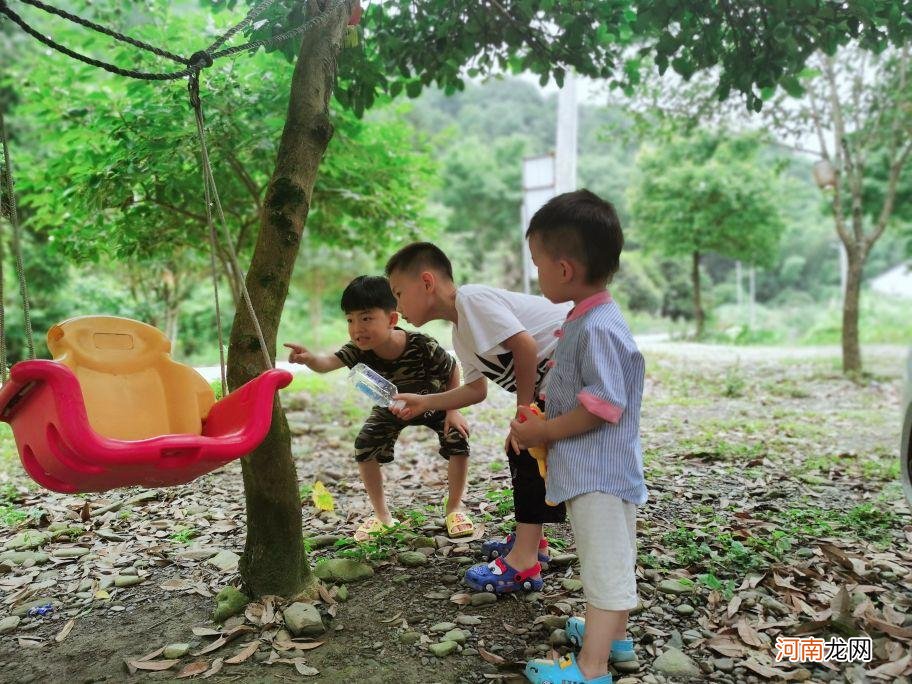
[(497, 548), (621, 649), (499, 578), (561, 671)]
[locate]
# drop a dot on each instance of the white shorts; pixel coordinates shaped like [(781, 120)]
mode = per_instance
[(604, 528)]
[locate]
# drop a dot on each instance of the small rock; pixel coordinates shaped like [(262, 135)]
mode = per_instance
[(26, 540), (110, 535), (409, 638), (342, 570), (533, 596), (174, 651), (558, 638), (449, 579), (24, 557), (70, 552), (724, 664), (444, 648), (229, 602), (342, 593), (676, 587), (563, 559), (303, 619), (482, 599), (468, 620), (412, 559), (322, 540), (684, 609), (424, 543), (442, 541), (552, 622), (442, 627), (462, 560), (126, 580), (457, 635), (691, 636), (674, 663), (571, 584), (198, 553), (8, 624), (225, 561)]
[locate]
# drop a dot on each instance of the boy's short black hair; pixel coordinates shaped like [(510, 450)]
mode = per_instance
[(582, 226), (420, 256), (368, 292)]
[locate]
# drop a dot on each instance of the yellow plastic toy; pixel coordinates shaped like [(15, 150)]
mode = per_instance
[(132, 388), (539, 453)]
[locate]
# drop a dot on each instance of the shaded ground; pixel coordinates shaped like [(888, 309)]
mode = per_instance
[(775, 510)]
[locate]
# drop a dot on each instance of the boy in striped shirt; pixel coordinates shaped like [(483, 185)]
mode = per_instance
[(595, 463)]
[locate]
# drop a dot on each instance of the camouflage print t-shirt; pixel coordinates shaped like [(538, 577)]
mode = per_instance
[(424, 367)]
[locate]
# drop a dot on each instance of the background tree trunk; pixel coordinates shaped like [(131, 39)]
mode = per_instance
[(851, 349), (274, 561), (699, 315)]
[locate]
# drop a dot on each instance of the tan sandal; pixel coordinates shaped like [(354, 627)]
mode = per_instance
[(459, 524), (372, 527)]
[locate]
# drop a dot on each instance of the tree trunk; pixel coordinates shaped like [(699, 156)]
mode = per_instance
[(851, 349), (699, 315), (274, 561)]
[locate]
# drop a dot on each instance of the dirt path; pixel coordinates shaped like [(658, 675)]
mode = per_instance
[(774, 511)]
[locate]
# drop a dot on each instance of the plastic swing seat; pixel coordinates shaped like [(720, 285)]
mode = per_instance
[(114, 410)]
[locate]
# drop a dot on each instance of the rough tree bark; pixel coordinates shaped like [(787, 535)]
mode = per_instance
[(699, 314), (274, 560)]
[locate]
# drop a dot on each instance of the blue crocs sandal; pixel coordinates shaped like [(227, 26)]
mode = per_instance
[(621, 649), (499, 578), (561, 671), (495, 548)]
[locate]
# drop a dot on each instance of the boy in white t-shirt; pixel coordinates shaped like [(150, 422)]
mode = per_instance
[(506, 337)]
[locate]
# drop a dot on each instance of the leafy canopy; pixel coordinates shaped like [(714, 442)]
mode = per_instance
[(704, 194)]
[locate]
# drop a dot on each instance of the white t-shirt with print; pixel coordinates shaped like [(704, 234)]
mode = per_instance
[(486, 316)]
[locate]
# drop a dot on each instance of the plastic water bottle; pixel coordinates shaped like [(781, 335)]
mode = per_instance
[(374, 386)]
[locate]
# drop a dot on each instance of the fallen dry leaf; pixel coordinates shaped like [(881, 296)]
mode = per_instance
[(65, 632), (461, 599), (286, 645), (749, 635), (492, 658), (891, 670), (193, 669), (150, 665), (244, 653), (206, 631), (214, 670)]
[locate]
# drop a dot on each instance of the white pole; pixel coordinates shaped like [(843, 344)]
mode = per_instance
[(752, 280), (738, 290), (566, 138)]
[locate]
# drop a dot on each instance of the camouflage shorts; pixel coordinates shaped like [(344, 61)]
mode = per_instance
[(377, 438)]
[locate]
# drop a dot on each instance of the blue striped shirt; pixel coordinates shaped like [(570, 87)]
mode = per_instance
[(597, 365)]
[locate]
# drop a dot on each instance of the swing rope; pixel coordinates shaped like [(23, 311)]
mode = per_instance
[(212, 196), (193, 67), (17, 251)]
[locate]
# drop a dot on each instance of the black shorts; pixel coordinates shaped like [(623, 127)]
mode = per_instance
[(378, 436), (529, 492)]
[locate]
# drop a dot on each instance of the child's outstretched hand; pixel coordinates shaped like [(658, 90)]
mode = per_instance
[(456, 421), (528, 429), (408, 406), (299, 354)]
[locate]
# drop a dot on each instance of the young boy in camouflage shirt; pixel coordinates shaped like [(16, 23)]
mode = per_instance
[(413, 362)]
